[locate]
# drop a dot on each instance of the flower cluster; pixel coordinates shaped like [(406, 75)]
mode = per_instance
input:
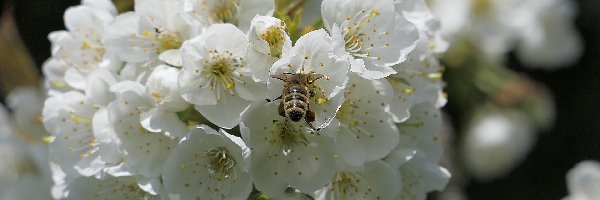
[(211, 99), (542, 32)]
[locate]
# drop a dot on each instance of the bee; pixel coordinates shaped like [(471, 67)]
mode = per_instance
[(296, 95)]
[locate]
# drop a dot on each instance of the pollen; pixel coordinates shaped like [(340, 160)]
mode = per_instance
[(274, 36), (321, 101), (164, 39)]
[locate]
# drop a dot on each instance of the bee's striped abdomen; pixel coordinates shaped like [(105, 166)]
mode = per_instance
[(295, 97)]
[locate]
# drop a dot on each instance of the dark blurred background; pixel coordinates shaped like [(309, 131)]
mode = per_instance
[(574, 137), (576, 132)]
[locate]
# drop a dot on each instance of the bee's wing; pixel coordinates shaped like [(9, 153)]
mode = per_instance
[(283, 77), (313, 77)]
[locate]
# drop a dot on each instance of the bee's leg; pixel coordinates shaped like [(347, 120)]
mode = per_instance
[(310, 116), (281, 109), (269, 100)]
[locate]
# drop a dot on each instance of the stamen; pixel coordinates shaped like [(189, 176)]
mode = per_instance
[(275, 37), (219, 69), (220, 163), (226, 11), (354, 37)]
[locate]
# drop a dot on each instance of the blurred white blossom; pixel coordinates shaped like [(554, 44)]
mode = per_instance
[(583, 181), (542, 31), (496, 143)]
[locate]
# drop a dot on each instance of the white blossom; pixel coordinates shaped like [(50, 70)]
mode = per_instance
[(495, 143), (268, 40), (26, 104), (364, 129), (208, 165), (370, 34), (79, 49), (285, 153), (421, 176), (377, 180), (542, 31), (68, 117), (156, 27), (216, 78), (145, 152), (549, 38), (236, 12), (162, 116)]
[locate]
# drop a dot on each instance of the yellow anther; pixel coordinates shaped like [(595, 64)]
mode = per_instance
[(80, 120), (86, 45), (58, 84), (436, 75), (49, 139)]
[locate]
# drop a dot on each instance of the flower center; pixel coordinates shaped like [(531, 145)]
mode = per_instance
[(221, 163), (164, 39), (287, 135), (274, 35), (354, 35), (345, 183), (219, 69), (226, 11)]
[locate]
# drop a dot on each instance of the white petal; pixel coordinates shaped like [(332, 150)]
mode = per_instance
[(310, 167), (421, 131), (226, 113), (195, 90), (156, 120), (162, 85), (107, 188), (421, 176), (122, 37), (106, 137), (172, 57), (101, 4), (98, 84), (366, 132), (75, 79), (131, 95)]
